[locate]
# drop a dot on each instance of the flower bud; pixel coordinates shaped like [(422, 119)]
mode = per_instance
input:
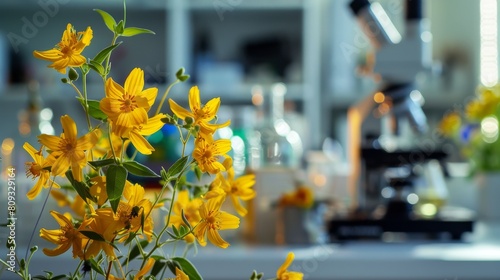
[(72, 74)]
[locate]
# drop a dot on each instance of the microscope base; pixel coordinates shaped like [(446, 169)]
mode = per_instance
[(340, 230)]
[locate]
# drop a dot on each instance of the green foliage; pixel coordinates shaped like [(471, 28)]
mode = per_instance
[(139, 169), (116, 176)]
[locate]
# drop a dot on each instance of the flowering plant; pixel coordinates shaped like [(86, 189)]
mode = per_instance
[(88, 170), (475, 129), (302, 196)]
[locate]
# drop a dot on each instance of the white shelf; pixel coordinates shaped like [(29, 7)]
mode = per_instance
[(235, 5), (86, 4)]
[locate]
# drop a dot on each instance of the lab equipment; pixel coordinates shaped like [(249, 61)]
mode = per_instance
[(385, 162)]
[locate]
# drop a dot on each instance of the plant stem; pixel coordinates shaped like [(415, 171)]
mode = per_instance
[(38, 219), (165, 96), (109, 269), (111, 141)]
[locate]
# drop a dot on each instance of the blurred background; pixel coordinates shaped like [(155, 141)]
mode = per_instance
[(314, 54)]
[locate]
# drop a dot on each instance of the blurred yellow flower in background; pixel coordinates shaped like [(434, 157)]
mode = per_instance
[(190, 208), (302, 196), (450, 124), (476, 130)]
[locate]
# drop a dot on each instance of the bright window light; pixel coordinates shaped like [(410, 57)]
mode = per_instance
[(489, 43)]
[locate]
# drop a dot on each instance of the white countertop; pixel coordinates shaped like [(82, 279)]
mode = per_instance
[(349, 261), (361, 261)]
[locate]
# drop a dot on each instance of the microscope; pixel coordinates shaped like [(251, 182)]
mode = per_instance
[(384, 129)]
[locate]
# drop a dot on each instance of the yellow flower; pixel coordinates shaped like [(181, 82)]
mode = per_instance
[(136, 135), (147, 267), (191, 209), (129, 214), (302, 197), (236, 189), (128, 106), (103, 149), (212, 221), (207, 153), (67, 53), (485, 104), (98, 189), (180, 275), (100, 224), (450, 124), (65, 237), (76, 204), (202, 115), (67, 150), (284, 274), (37, 169)]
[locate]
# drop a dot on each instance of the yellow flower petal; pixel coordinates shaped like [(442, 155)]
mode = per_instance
[(178, 110), (135, 81), (154, 124), (216, 239), (140, 143), (194, 99), (147, 267), (69, 128), (60, 166), (58, 250), (212, 107), (50, 141)]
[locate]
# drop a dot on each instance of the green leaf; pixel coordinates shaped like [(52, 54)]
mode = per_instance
[(108, 19), (116, 176), (101, 163), (176, 232), (72, 74), (135, 251), (101, 56), (181, 76), (80, 187), (163, 174), (96, 67), (93, 235), (177, 167), (119, 27), (182, 230), (114, 204), (185, 220), (139, 169), (197, 172), (132, 31), (188, 268), (179, 72), (157, 267), (96, 267), (95, 111), (171, 264)]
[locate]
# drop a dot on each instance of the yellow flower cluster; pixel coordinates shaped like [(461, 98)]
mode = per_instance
[(475, 130), (92, 171)]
